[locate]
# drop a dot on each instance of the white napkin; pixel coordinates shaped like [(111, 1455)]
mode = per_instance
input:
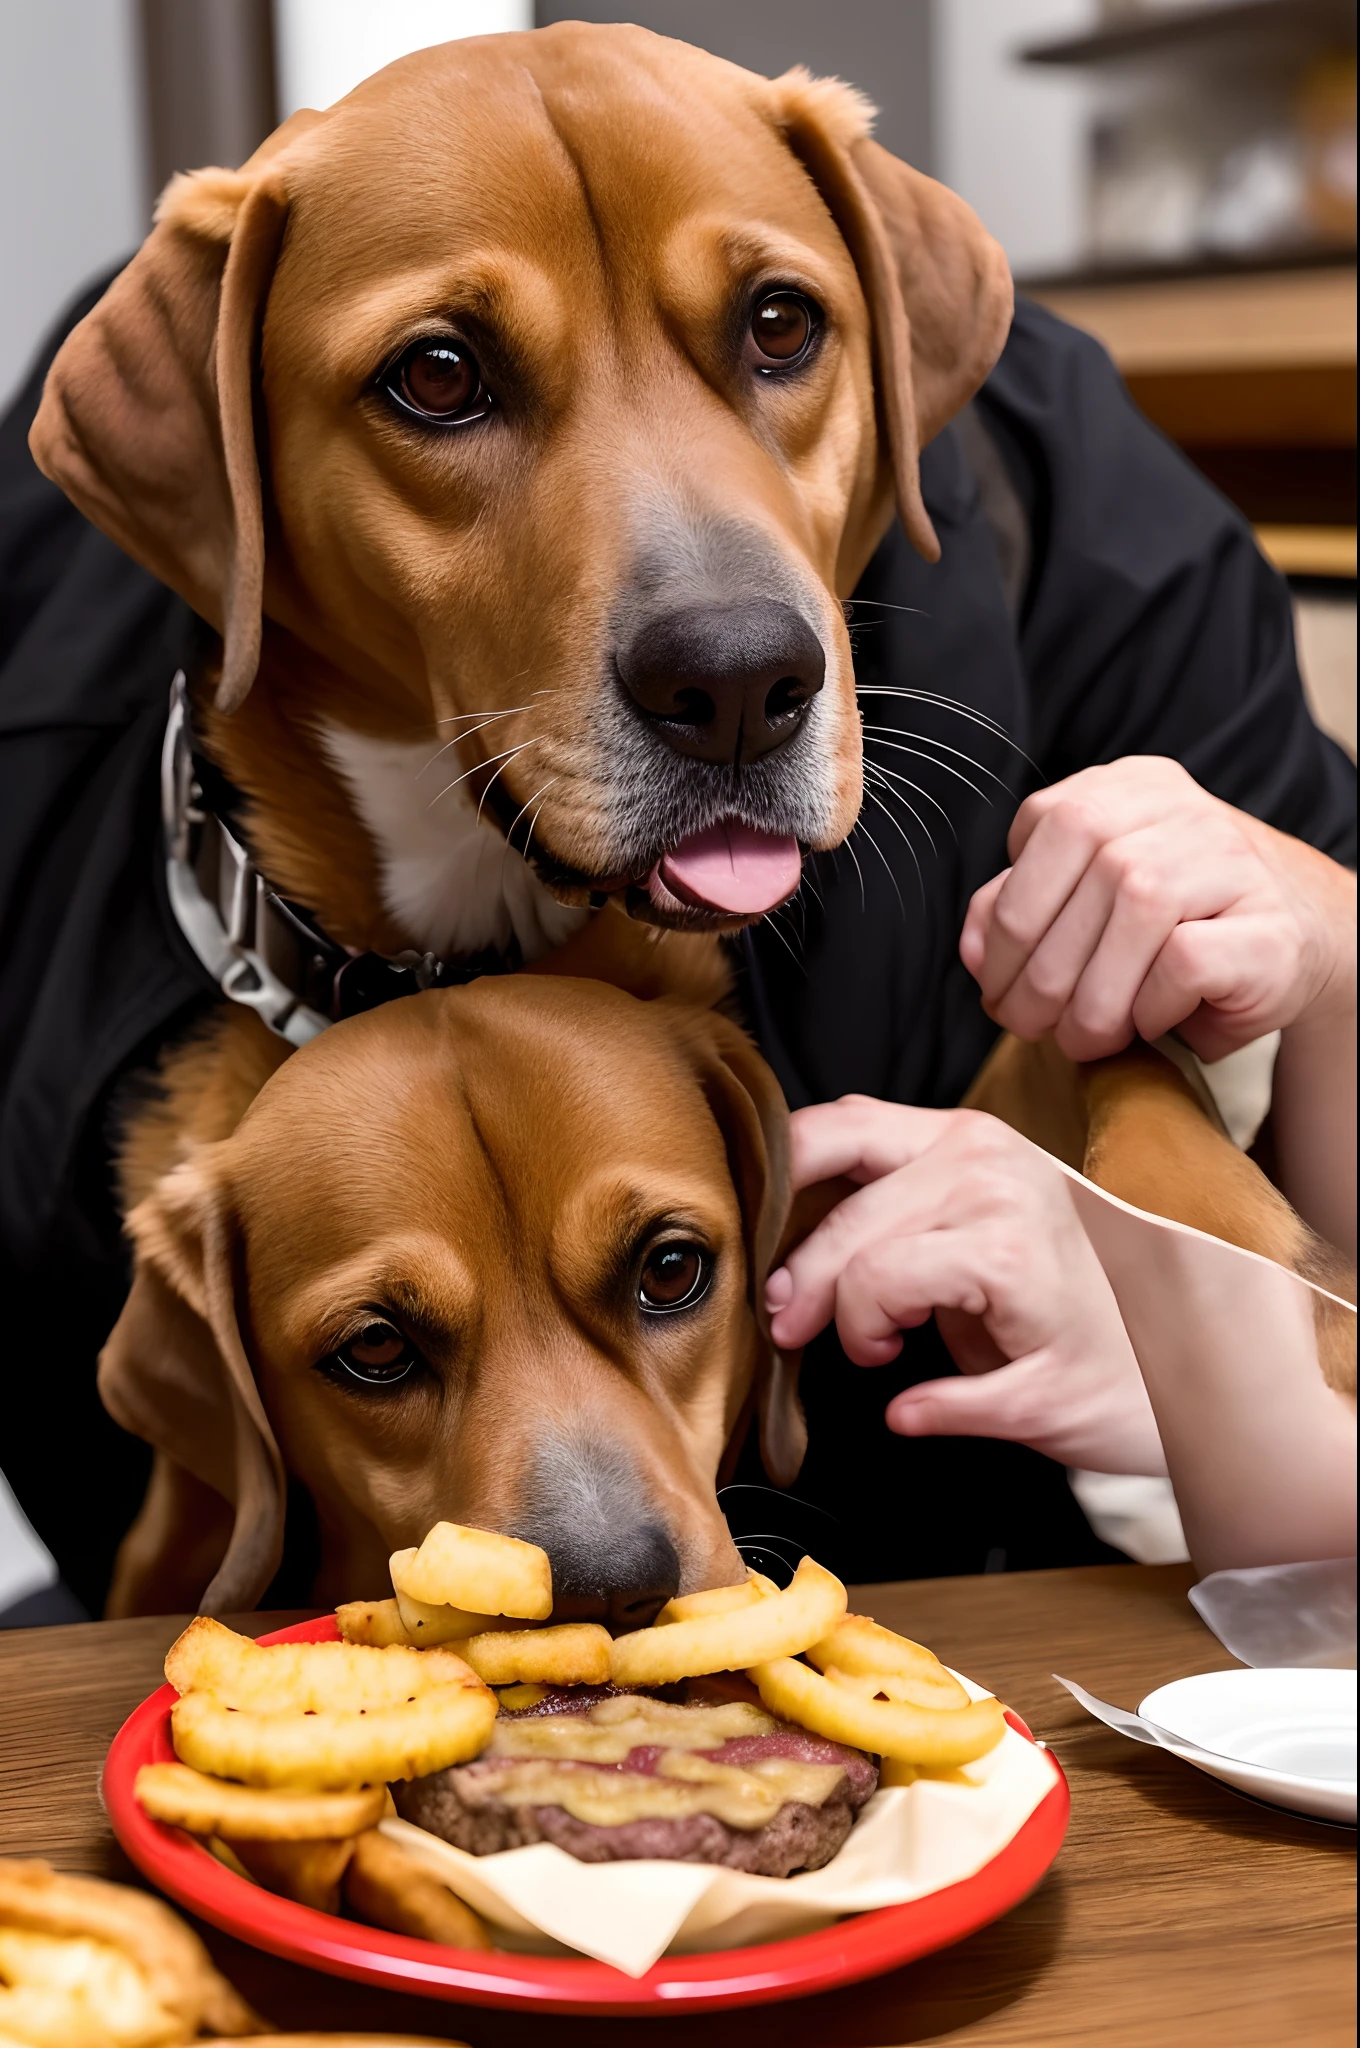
[(908, 1840), (1283, 1615)]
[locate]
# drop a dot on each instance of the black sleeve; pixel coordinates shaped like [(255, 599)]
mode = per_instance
[(39, 526), (1152, 624)]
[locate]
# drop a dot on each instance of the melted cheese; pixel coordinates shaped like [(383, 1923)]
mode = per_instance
[(743, 1798), (547, 1761), (606, 1732)]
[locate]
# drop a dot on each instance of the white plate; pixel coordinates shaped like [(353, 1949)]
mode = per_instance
[(1287, 1737)]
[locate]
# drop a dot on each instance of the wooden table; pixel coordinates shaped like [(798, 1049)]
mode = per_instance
[(1176, 1913)]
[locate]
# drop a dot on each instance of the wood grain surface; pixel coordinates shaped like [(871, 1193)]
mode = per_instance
[(1177, 1913)]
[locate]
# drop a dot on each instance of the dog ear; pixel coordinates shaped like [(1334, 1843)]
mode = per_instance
[(174, 1372), (751, 1113), (147, 420), (938, 286)]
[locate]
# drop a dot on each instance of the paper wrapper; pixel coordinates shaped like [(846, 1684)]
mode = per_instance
[(908, 1840)]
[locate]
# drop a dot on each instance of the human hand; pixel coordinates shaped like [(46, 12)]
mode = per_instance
[(1138, 903), (955, 1215)]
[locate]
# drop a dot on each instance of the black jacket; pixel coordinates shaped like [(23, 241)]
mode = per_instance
[(1095, 598)]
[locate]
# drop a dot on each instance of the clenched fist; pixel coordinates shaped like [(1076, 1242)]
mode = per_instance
[(1137, 903)]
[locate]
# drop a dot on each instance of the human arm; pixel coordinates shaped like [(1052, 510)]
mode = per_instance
[(1137, 903), (1087, 1330)]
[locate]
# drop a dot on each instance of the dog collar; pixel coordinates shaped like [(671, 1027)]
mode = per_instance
[(260, 949)]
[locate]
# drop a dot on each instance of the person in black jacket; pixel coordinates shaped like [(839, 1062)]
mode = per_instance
[(1095, 599)]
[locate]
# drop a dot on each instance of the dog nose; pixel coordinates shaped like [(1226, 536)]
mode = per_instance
[(625, 1584), (724, 682)]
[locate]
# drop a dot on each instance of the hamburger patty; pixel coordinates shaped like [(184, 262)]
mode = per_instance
[(488, 1805)]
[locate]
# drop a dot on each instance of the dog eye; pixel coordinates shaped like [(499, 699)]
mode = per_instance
[(783, 326), (379, 1356), (438, 379), (674, 1276)]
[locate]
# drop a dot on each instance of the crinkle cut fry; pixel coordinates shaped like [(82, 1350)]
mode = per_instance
[(334, 1752), (305, 1677)]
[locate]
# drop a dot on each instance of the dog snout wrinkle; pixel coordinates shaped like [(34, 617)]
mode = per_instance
[(612, 1557), (725, 683)]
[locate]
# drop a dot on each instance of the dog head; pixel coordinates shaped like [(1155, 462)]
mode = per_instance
[(491, 1255), (549, 393)]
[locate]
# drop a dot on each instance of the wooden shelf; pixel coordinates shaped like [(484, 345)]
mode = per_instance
[(1307, 22), (1286, 319), (1310, 550), (1261, 361), (1253, 374)]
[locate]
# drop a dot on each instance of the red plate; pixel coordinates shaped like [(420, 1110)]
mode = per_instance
[(863, 1946)]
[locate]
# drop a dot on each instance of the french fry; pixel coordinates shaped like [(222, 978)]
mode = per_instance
[(426, 1625), (309, 1872), (862, 1650), (376, 1623), (478, 1570), (930, 1737), (716, 1600), (776, 1626), (577, 1653), (209, 1806), (943, 1695), (304, 1677), (330, 1751), (387, 1887)]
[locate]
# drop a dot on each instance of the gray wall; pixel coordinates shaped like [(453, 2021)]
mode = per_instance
[(72, 159), (882, 46)]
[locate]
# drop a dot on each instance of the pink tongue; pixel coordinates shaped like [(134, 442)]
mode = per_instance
[(731, 867)]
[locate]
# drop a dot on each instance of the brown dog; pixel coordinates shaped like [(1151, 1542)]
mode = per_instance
[(490, 1255), (545, 397)]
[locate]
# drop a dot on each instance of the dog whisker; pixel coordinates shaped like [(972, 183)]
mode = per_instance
[(797, 897), (981, 718), (508, 755), (883, 781), (510, 835), (456, 716), (459, 737), (900, 747), (920, 879), (861, 826), (770, 920), (511, 754), (881, 604), (777, 1493), (487, 717), (929, 740), (810, 885), (863, 897), (529, 835), (894, 782)]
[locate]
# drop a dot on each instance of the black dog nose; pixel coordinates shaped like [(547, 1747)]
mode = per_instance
[(724, 682), (626, 1583)]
